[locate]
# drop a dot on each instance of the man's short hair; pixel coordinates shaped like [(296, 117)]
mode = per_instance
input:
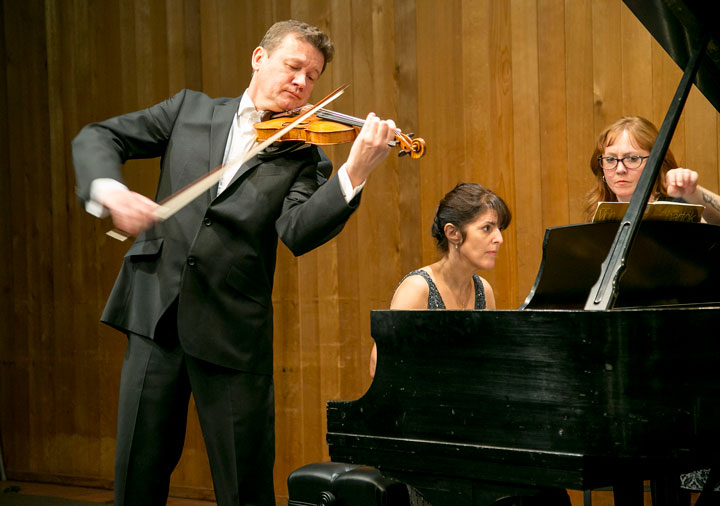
[(310, 34)]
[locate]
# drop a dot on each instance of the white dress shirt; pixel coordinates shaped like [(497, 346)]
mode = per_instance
[(240, 139)]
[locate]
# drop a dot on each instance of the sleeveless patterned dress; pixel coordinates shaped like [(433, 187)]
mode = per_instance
[(435, 300)]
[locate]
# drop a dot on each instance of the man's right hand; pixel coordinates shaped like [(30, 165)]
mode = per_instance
[(131, 212)]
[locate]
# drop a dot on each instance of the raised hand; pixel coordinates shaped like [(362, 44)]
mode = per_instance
[(681, 182)]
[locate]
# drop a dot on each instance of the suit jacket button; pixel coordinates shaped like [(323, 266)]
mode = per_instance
[(191, 261), (207, 222)]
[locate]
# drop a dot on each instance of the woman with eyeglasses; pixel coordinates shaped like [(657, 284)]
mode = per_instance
[(620, 155), (619, 158)]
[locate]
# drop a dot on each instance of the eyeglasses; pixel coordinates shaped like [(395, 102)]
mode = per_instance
[(630, 162)]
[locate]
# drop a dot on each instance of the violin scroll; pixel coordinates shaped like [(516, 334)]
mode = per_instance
[(408, 145)]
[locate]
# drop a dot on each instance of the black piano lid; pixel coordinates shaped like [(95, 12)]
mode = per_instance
[(676, 25), (670, 264)]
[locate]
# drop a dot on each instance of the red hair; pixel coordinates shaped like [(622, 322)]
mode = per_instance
[(642, 135)]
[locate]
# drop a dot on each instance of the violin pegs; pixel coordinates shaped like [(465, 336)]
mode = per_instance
[(403, 152), (392, 144), (411, 135)]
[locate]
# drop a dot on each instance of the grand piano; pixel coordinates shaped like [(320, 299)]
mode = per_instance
[(606, 376)]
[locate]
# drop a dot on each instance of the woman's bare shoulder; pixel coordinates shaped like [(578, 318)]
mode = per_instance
[(411, 293)]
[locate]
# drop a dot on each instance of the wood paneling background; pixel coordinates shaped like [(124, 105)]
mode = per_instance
[(507, 93)]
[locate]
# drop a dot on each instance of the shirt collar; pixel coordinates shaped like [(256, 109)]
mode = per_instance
[(247, 111)]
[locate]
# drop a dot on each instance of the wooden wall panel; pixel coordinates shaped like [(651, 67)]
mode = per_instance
[(9, 372), (607, 63), (440, 83), (553, 113), (636, 61), (580, 101), (508, 93), (527, 225)]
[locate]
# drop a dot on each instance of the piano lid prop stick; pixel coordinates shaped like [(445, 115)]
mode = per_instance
[(183, 197)]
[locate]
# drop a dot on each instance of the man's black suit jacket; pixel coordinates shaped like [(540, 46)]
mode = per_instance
[(217, 255)]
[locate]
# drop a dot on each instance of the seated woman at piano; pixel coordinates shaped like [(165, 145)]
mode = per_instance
[(620, 155), (468, 229)]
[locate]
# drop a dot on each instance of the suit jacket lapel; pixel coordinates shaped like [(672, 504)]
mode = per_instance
[(244, 168), (222, 118), (263, 156), (258, 159)]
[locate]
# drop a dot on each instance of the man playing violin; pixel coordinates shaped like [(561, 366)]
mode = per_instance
[(194, 291)]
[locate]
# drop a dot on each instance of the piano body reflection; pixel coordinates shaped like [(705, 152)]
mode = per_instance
[(573, 390)]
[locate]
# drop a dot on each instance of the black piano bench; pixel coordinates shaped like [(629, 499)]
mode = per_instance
[(337, 484)]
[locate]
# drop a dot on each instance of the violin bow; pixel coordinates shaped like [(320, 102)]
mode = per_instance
[(184, 196)]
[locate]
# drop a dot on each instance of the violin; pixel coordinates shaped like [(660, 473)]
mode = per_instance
[(326, 127)]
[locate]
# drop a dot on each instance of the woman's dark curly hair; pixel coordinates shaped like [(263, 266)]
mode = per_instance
[(462, 205)]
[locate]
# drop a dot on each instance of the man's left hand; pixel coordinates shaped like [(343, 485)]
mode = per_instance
[(370, 148)]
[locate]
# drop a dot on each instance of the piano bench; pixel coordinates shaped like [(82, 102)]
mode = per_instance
[(337, 484)]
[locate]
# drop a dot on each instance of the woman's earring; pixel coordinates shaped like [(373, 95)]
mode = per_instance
[(604, 181), (456, 246)]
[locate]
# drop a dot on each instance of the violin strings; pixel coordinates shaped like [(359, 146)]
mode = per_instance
[(340, 117), (344, 118)]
